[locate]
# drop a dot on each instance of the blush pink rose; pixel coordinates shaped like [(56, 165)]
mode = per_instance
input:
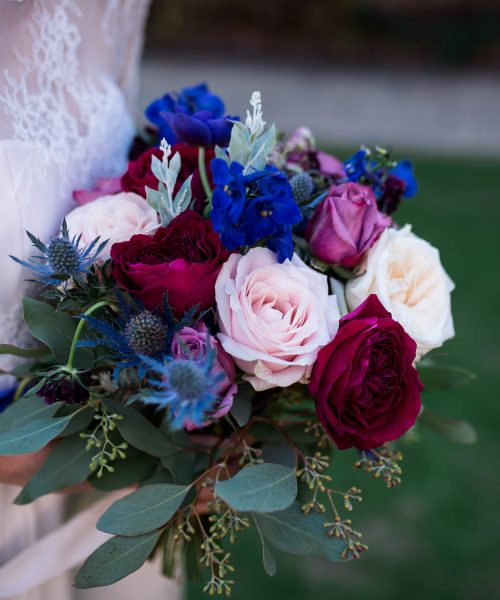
[(191, 342), (345, 225), (114, 218), (273, 317)]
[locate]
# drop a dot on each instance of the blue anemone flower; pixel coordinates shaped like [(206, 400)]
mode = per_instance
[(247, 209), (193, 116), (187, 388), (62, 258), (137, 333)]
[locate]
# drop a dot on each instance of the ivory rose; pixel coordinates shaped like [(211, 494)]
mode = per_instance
[(406, 274), (273, 317), (114, 218)]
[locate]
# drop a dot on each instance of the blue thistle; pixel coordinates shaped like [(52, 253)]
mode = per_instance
[(186, 388), (62, 258), (137, 333)]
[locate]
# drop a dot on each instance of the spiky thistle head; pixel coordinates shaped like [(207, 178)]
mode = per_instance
[(187, 388), (302, 187), (146, 333), (62, 258)]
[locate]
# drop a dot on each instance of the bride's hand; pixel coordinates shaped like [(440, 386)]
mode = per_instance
[(19, 469)]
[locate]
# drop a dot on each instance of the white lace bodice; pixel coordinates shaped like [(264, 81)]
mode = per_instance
[(68, 76)]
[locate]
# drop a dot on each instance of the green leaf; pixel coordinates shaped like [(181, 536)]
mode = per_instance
[(24, 411), (66, 465), (454, 430), (439, 377), (33, 436), (81, 419), (23, 352), (55, 329), (148, 508), (115, 559), (296, 533), (260, 488), (281, 453), (242, 403), (141, 433), (180, 465), (268, 560), (132, 469)]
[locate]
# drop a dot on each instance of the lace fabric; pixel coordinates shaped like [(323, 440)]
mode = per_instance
[(68, 74)]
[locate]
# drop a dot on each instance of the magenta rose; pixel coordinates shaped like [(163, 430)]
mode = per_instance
[(366, 389), (182, 259), (139, 173), (345, 225), (191, 343)]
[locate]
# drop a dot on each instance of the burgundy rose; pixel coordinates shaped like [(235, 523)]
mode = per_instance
[(366, 388), (345, 225), (182, 259), (139, 173)]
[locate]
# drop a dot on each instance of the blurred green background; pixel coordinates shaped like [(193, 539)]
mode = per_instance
[(437, 535)]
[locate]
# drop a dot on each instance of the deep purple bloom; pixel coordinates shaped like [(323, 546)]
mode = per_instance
[(199, 129), (67, 391)]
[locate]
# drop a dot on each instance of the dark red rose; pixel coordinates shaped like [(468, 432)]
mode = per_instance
[(182, 259), (366, 388), (139, 173)]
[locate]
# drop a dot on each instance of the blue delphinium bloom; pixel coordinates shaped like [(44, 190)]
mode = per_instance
[(389, 181), (247, 209), (137, 333), (187, 388), (193, 116), (62, 258)]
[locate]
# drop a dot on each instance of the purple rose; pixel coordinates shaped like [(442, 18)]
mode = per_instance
[(366, 389), (345, 225), (191, 343)]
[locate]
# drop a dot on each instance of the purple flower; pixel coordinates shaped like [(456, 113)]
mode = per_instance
[(199, 129)]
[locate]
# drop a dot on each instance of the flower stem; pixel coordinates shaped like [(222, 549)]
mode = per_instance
[(78, 330), (203, 175)]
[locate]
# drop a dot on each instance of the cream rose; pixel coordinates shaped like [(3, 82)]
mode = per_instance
[(273, 317), (114, 218), (406, 274)]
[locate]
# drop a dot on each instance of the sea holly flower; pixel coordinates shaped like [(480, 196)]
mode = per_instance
[(187, 388), (137, 333), (390, 180), (194, 116), (247, 209), (63, 258)]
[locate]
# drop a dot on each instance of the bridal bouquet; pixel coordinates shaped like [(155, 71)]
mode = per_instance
[(215, 327)]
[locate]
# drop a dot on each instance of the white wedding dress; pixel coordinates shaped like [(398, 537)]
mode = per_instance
[(68, 76)]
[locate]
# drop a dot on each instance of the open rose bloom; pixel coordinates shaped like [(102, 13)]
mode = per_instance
[(227, 316)]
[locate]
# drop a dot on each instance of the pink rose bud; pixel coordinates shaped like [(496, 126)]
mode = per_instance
[(345, 225)]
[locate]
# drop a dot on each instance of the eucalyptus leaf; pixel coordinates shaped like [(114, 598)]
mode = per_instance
[(141, 433), (132, 469), (261, 488), (32, 436), (24, 411), (66, 465), (242, 403), (294, 532), (81, 419), (23, 352), (180, 465), (454, 430), (268, 560), (438, 377), (144, 510), (279, 452), (115, 559), (55, 329)]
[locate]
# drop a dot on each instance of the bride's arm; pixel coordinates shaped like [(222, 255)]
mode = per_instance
[(18, 470)]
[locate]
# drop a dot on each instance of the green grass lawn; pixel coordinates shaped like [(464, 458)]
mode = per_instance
[(438, 534)]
